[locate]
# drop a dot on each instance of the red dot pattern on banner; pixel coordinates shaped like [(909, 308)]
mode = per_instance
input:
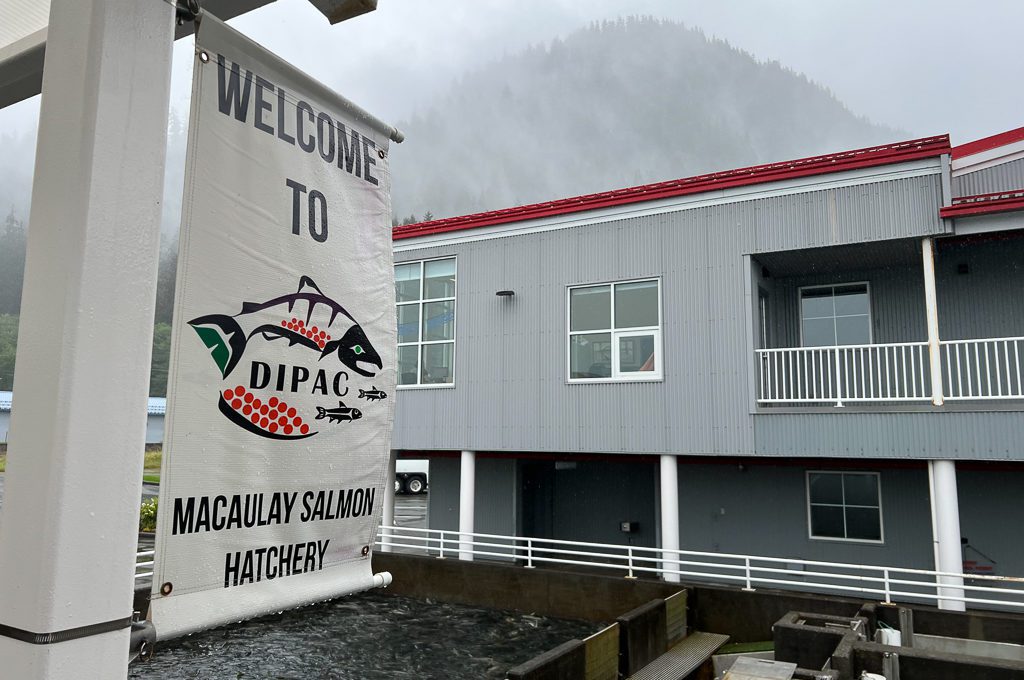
[(318, 335), (274, 415)]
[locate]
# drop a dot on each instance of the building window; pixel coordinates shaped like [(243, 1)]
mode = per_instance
[(835, 315), (615, 331), (425, 301), (845, 506)]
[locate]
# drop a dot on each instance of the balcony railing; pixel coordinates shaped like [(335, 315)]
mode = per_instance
[(895, 372)]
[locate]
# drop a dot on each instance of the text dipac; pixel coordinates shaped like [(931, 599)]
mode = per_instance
[(293, 378)]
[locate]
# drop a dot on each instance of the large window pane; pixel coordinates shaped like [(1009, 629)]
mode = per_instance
[(861, 489), (438, 279), (437, 363), (408, 323), (439, 320), (827, 521), (590, 308), (826, 488), (407, 282), (853, 330), (851, 300), (819, 332), (816, 303), (636, 353), (864, 524), (636, 304), (590, 355), (408, 367)]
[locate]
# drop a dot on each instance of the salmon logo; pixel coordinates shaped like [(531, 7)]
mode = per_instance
[(329, 347)]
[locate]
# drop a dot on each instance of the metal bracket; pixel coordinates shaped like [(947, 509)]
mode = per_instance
[(143, 641), (186, 10)]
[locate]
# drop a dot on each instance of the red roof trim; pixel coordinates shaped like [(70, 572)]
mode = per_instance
[(899, 152), (986, 143), (985, 204)]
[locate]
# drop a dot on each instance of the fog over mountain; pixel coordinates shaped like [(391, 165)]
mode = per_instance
[(612, 105)]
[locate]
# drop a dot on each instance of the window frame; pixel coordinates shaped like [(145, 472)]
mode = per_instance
[(844, 506), (800, 311), (617, 376), (420, 343)]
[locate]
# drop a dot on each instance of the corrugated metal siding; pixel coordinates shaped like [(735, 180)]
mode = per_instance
[(495, 495), (511, 392), (984, 495), (443, 499), (983, 435), (986, 301), (762, 510), (1003, 177), (897, 303), (871, 212)]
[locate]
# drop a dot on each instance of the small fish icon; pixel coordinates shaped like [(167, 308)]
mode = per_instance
[(373, 395), (339, 414)]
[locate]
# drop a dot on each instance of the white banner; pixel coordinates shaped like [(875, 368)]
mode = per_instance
[(280, 400)]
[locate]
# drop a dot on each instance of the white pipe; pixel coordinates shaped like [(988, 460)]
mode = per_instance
[(932, 313), (389, 500), (382, 579), (467, 501), (67, 547), (669, 513), (946, 522)]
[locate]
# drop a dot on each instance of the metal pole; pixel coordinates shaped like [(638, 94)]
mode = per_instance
[(932, 313), (669, 516), (388, 519), (945, 508), (67, 545), (467, 501)]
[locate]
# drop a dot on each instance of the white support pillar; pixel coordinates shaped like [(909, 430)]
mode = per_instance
[(945, 507), (932, 314), (670, 513), (388, 518), (467, 504), (69, 529)]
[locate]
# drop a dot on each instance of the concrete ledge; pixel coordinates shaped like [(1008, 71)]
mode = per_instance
[(547, 592)]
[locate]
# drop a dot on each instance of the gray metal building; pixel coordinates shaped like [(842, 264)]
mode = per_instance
[(818, 358)]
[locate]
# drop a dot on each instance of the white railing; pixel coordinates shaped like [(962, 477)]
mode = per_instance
[(982, 369), (988, 368), (886, 584), (895, 372)]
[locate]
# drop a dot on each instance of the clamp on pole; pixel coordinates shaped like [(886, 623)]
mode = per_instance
[(187, 10)]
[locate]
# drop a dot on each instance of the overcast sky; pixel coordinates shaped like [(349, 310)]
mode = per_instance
[(926, 66)]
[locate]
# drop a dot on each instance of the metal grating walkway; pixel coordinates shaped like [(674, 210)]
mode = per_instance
[(682, 659)]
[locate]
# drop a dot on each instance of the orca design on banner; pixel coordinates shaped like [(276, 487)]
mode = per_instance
[(271, 416)]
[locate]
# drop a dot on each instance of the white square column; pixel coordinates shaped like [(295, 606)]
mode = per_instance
[(69, 524)]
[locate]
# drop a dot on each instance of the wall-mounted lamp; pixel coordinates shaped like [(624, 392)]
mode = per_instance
[(505, 293)]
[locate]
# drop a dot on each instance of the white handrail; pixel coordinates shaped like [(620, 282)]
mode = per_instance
[(985, 368), (747, 571)]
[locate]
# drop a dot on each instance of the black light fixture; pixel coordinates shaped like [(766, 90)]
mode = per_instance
[(505, 293)]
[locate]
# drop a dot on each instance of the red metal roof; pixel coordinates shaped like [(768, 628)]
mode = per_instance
[(986, 143), (899, 152), (985, 204)]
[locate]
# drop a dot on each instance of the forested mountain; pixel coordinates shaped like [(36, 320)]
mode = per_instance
[(610, 106)]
